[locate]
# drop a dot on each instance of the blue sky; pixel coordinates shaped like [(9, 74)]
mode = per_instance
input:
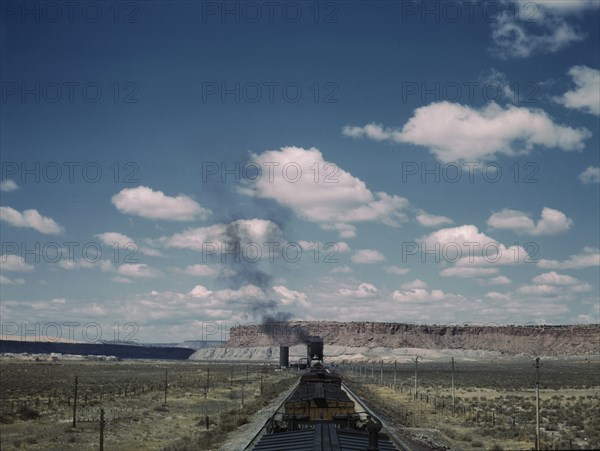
[(443, 155)]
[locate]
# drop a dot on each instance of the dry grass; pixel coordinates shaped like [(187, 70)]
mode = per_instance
[(36, 412)]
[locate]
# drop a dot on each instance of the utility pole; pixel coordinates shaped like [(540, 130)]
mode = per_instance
[(416, 359), (166, 384), (207, 379), (75, 403), (101, 429), (395, 375), (381, 373), (453, 393), (537, 404)]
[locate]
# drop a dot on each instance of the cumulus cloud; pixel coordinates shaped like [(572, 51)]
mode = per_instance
[(342, 270), (499, 280), (418, 295), (8, 281), (201, 270), (367, 256), (256, 231), (331, 197), (590, 175), (467, 246), (553, 278), (551, 222), (455, 132), (364, 290), (427, 220), (415, 284), (10, 262), (138, 270), (513, 38), (590, 257), (8, 185), (30, 219), (125, 244), (396, 270), (289, 297), (145, 202), (467, 271), (586, 95)]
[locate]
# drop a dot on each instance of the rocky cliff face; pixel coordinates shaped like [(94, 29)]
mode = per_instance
[(536, 340)]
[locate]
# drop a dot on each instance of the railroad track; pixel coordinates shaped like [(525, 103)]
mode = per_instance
[(362, 408)]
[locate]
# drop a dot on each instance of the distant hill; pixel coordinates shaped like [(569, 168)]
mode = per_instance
[(121, 350), (530, 340)]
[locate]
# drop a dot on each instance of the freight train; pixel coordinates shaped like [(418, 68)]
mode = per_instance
[(320, 414)]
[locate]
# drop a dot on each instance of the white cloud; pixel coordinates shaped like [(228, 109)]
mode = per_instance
[(563, 7), (427, 220), (9, 262), (119, 279), (334, 198), (31, 219), (499, 280), (342, 270), (289, 297), (586, 95), (549, 33), (246, 231), (590, 257), (145, 202), (467, 271), (364, 290), (500, 81), (201, 271), (200, 291), (122, 243), (454, 132), (415, 284), (367, 256), (396, 270), (553, 278), (590, 175), (551, 222), (418, 295), (466, 246), (139, 270), (8, 281), (329, 247), (8, 185)]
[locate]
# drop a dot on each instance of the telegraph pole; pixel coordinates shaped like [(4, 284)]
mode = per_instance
[(416, 359), (395, 375), (381, 373), (537, 404), (166, 384), (75, 403), (453, 394)]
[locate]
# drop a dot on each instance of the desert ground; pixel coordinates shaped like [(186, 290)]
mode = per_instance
[(36, 408), (494, 401)]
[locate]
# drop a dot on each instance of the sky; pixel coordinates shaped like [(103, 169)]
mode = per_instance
[(170, 169)]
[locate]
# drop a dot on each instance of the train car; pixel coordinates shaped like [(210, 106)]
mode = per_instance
[(319, 415)]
